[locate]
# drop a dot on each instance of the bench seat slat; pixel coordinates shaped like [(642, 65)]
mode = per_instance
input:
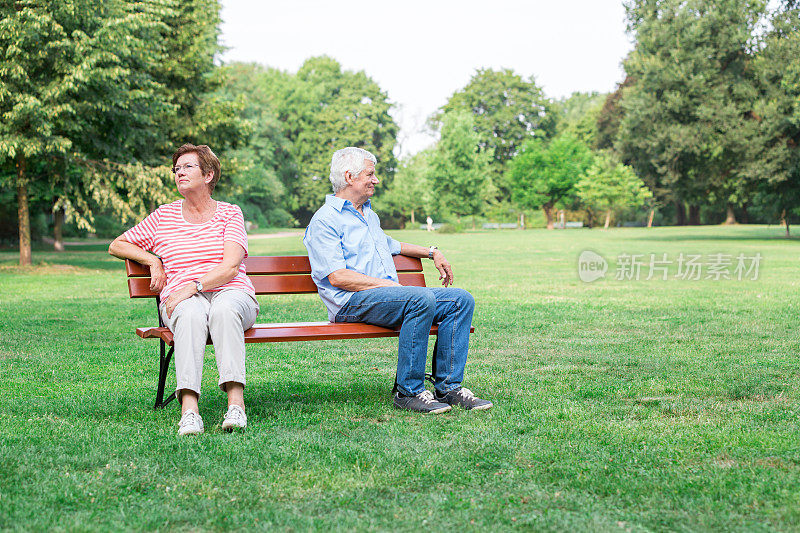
[(295, 331), (280, 284)]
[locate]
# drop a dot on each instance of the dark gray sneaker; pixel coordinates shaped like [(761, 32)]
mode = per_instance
[(422, 403), (464, 397)]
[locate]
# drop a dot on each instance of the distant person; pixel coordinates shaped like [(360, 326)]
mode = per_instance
[(199, 245), (351, 263), (429, 222)]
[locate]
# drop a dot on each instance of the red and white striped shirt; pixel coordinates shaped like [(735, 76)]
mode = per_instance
[(188, 250)]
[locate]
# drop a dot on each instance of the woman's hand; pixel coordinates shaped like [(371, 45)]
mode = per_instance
[(158, 278), (179, 295)]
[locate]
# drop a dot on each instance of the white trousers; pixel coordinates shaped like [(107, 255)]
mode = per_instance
[(224, 315)]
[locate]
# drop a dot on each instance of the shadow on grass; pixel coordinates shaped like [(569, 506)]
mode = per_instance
[(279, 394), (719, 238)]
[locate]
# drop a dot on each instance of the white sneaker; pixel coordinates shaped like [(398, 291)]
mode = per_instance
[(234, 419), (190, 424)]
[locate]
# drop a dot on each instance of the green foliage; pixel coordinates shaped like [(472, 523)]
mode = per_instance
[(77, 87), (612, 187), (578, 115), (543, 174), (411, 193), (687, 127), (322, 109), (609, 118), (778, 112), (257, 170), (460, 168), (508, 110)]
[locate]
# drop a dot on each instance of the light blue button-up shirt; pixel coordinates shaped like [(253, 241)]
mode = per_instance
[(339, 237)]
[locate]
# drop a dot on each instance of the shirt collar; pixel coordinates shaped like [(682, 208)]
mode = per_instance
[(339, 203)]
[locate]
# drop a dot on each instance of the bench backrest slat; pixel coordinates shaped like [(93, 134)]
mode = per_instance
[(269, 275), (287, 264)]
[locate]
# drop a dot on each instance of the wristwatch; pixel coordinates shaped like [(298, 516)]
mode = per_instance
[(199, 286), (430, 251)]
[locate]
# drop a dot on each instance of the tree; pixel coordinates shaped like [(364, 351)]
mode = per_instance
[(460, 168), (411, 191), (258, 168), (578, 114), (508, 110), (544, 174), (778, 114), (612, 187), (609, 118), (687, 124), (71, 74), (322, 109)]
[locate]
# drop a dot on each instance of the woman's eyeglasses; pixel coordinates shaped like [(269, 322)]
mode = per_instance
[(187, 166)]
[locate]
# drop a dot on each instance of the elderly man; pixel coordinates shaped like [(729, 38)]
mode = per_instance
[(351, 263)]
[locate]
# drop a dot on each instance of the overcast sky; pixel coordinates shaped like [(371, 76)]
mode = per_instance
[(420, 52)]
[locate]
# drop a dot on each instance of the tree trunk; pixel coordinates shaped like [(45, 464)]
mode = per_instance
[(522, 221), (745, 214), (548, 213), (650, 218), (680, 213), (608, 219), (731, 218), (58, 230), (785, 221), (412, 218), (24, 218), (694, 215)]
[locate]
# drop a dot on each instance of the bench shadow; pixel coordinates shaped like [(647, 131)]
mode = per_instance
[(292, 393)]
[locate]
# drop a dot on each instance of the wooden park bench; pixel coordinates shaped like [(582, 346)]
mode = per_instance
[(270, 275)]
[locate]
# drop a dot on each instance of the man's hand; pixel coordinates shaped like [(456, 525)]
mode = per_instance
[(181, 294), (158, 278), (444, 268)]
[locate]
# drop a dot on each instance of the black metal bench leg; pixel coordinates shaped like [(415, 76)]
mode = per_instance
[(163, 370)]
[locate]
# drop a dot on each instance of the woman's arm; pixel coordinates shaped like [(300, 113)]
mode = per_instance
[(127, 250), (232, 257)]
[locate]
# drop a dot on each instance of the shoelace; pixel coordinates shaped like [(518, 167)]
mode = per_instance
[(426, 396), (466, 393), (235, 413), (190, 419)]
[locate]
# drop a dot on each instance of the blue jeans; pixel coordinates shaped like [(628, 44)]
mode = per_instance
[(415, 309)]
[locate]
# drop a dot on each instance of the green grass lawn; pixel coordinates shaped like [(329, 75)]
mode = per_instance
[(619, 405)]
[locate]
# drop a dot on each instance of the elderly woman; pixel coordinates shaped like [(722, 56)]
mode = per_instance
[(198, 245)]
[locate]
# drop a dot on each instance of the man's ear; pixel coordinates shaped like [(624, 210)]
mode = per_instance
[(348, 177)]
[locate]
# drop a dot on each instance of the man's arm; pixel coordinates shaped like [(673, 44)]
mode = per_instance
[(353, 281), (439, 261)]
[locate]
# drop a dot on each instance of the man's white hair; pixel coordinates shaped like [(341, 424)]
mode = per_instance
[(350, 159)]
